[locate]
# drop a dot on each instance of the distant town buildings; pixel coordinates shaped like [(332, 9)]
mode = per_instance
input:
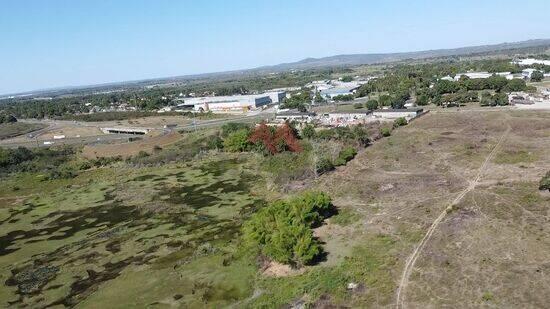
[(349, 117), (329, 89), (531, 61), (478, 75), (302, 117), (345, 118)]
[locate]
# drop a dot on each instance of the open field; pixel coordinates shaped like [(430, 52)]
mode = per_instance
[(168, 235), (10, 130), (489, 248), (122, 237)]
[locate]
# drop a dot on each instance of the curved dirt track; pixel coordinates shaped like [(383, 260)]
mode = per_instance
[(411, 260)]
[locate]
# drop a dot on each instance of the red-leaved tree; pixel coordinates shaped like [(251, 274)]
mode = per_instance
[(285, 139), (264, 135)]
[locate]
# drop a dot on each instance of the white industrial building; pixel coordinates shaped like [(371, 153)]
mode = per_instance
[(407, 113), (481, 75), (276, 96), (331, 88), (237, 103), (336, 91)]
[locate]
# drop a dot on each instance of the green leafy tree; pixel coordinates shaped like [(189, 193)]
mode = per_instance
[(360, 135), (237, 141), (385, 100), (347, 79), (343, 98), (422, 100), (7, 118), (231, 127), (515, 85), (308, 131), (282, 230), (372, 104), (537, 76)]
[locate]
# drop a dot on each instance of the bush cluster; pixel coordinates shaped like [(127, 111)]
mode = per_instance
[(7, 118), (545, 182), (283, 232)]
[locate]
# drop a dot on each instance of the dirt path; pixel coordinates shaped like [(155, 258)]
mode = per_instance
[(409, 264)]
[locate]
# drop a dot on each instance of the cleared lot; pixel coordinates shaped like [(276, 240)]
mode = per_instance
[(491, 247)]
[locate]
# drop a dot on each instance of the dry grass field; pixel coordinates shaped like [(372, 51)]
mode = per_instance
[(489, 248)]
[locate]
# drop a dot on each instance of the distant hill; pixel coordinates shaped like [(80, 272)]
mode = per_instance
[(358, 59), (522, 47)]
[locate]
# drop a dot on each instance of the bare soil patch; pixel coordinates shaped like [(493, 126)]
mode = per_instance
[(125, 150)]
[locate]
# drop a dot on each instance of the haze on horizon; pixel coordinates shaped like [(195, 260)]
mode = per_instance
[(67, 43)]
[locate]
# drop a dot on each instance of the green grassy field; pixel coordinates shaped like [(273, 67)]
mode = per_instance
[(122, 237)]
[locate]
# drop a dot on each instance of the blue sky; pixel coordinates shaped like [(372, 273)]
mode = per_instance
[(56, 43)]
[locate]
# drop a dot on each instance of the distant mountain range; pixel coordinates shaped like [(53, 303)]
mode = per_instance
[(317, 63), (358, 59)]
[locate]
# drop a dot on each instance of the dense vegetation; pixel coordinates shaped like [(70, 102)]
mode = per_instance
[(7, 118), (283, 232), (52, 163), (424, 82)]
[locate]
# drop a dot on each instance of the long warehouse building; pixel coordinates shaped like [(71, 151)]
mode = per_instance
[(237, 103)]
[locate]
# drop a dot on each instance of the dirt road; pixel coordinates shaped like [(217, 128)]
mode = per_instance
[(411, 261)]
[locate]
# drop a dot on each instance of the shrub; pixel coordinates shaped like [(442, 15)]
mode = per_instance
[(215, 142), (236, 141), (372, 104), (308, 131), (7, 118), (537, 76), (324, 165), (385, 132), (232, 127), (343, 97), (282, 230), (401, 121), (545, 182), (142, 154), (345, 155)]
